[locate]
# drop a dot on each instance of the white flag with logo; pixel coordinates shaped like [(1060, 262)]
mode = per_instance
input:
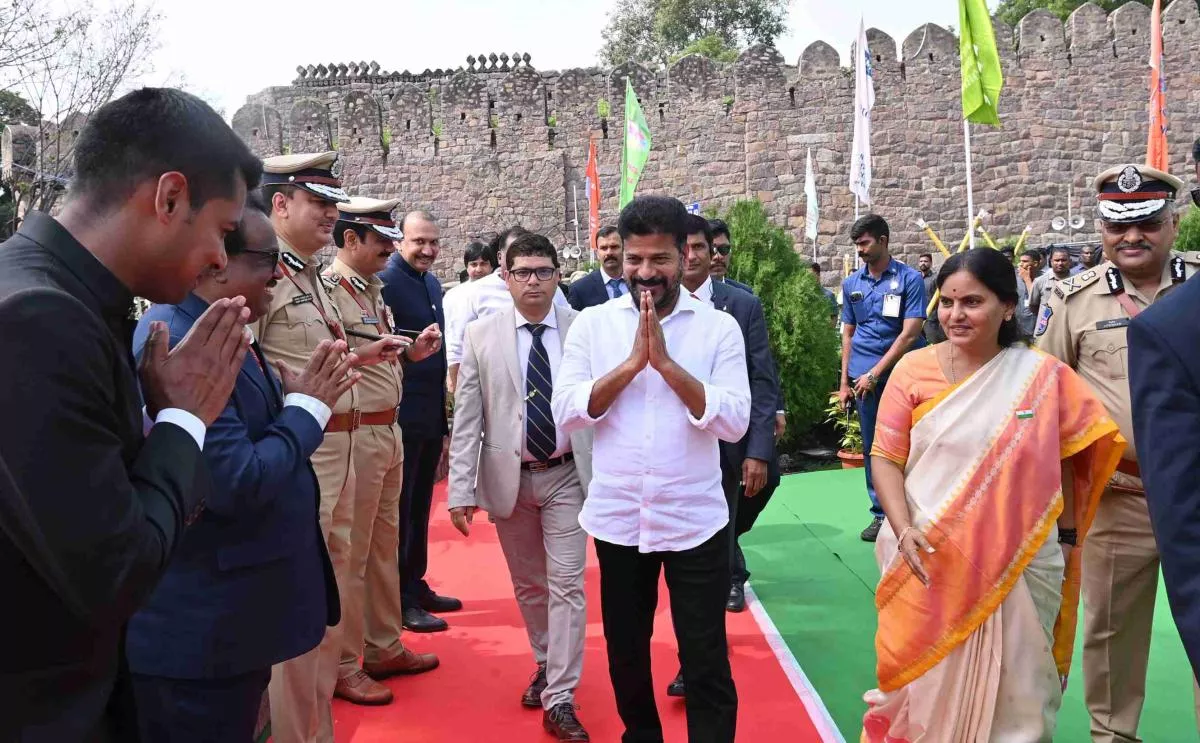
[(864, 101), (813, 215)]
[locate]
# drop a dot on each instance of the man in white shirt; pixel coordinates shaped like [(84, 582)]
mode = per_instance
[(489, 294), (661, 376), (508, 458)]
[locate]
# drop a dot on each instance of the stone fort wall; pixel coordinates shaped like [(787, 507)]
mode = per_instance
[(497, 142)]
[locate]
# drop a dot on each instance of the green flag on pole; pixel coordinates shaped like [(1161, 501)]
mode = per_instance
[(636, 150), (981, 75)]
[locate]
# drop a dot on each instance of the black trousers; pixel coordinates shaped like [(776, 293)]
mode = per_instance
[(698, 585), (421, 457), (219, 710), (743, 512)]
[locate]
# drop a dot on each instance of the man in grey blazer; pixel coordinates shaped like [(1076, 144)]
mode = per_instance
[(508, 458)]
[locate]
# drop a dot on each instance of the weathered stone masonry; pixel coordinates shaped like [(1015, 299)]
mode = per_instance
[(498, 142)]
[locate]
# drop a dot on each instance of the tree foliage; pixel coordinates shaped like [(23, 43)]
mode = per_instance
[(14, 109), (1012, 11), (805, 344), (1188, 238), (655, 31)]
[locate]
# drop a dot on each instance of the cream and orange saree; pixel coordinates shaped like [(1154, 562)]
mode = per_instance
[(982, 653)]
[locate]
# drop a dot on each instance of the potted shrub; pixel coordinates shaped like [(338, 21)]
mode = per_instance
[(845, 421)]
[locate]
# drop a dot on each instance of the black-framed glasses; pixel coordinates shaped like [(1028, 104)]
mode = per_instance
[(723, 249), (523, 274), (263, 258)]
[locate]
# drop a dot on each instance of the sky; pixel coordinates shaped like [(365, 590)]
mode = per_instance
[(224, 50)]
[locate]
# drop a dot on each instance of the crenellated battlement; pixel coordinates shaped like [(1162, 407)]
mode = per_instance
[(497, 141)]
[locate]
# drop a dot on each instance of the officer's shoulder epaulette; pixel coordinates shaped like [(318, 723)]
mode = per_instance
[(1190, 256), (331, 280), (1074, 284)]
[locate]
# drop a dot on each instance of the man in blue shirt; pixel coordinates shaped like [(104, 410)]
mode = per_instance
[(883, 311)]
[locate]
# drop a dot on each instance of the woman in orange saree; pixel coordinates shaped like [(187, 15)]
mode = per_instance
[(989, 458)]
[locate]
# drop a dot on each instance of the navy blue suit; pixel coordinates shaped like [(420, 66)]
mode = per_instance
[(1164, 382), (734, 284), (251, 585), (590, 291), (759, 441), (415, 299)]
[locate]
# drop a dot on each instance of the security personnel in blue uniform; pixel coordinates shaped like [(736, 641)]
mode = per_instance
[(749, 467), (415, 298), (883, 311), (1084, 324), (1164, 382), (252, 584)]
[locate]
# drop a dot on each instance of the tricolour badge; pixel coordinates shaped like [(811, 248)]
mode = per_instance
[(1024, 415), (1043, 320)]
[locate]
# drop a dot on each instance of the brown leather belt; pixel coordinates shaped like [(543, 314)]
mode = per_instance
[(548, 464), (352, 421), (1129, 467)]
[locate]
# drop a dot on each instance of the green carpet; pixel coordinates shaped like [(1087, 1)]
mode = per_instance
[(817, 581)]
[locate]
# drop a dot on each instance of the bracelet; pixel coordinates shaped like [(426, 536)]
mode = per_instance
[(1068, 536), (904, 534)]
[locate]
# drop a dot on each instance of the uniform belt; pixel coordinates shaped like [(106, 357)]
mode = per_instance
[(352, 421), (548, 464)]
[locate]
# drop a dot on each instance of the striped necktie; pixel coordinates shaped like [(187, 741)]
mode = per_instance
[(540, 435), (616, 285)]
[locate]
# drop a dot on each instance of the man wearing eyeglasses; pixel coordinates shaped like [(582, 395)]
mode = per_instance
[(1084, 324), (509, 458)]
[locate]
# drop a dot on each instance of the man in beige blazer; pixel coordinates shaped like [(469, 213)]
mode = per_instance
[(509, 458)]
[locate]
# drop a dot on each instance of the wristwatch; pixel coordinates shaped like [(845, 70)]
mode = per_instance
[(872, 379)]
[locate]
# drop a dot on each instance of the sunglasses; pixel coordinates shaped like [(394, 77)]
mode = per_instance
[(727, 249), (263, 258), (1150, 225)]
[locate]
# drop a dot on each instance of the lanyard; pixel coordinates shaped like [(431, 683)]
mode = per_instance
[(366, 310)]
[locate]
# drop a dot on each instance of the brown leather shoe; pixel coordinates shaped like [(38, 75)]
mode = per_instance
[(404, 663), (562, 722), (358, 688)]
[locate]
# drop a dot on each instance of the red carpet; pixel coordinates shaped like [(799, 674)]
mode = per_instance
[(486, 664)]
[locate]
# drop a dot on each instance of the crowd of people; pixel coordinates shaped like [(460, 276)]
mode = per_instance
[(244, 510)]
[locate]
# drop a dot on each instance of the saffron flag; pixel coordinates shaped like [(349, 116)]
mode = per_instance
[(1156, 147), (864, 101), (813, 214), (593, 192), (982, 78), (636, 149)]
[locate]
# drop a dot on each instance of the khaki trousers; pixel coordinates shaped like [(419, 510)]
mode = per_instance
[(546, 549), (373, 583), (301, 689), (1120, 584)]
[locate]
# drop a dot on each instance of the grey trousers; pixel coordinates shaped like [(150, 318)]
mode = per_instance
[(546, 550)]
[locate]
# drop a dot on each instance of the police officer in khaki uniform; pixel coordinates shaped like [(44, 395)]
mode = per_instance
[(304, 193), (364, 235), (1084, 324)]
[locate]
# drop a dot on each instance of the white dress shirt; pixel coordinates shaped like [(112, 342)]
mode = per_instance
[(656, 481), (553, 343), (489, 294), (704, 291)]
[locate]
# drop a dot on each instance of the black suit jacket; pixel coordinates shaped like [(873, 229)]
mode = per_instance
[(90, 509), (589, 291), (1164, 382), (416, 301), (759, 441)]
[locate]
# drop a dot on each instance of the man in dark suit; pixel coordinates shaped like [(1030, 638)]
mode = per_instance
[(722, 250), (606, 282), (252, 584), (415, 298), (1164, 382), (95, 505), (749, 468)]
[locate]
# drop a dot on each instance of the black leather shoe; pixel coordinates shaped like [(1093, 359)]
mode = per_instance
[(737, 598), (871, 533), (676, 688), (417, 619), (532, 698), (439, 604), (562, 722)]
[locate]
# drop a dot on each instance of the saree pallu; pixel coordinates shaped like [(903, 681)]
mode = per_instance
[(982, 653)]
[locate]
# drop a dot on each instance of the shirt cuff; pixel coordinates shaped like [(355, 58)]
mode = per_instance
[(780, 412), (711, 407), (583, 398), (185, 420), (311, 405)]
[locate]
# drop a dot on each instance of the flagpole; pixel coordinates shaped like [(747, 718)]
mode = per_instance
[(575, 203), (970, 192)]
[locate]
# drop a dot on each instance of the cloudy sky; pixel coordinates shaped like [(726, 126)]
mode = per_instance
[(225, 50)]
